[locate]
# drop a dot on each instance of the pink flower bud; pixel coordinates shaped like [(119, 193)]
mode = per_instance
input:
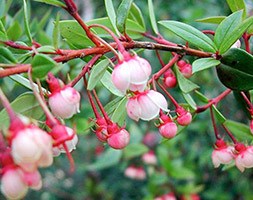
[(12, 184), (222, 154), (251, 126), (168, 130), (131, 74), (169, 196), (186, 70), (32, 148), (149, 158), (33, 179), (181, 63), (184, 117), (64, 102), (244, 157), (150, 139), (137, 173), (119, 140), (101, 130), (169, 80), (146, 105)]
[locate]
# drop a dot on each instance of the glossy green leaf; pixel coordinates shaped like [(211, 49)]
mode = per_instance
[(136, 15), (221, 119), (235, 35), (134, 150), (226, 27), (188, 98), (41, 65), (185, 84), (56, 32), (241, 103), (201, 96), (25, 104), (107, 159), (111, 14), (236, 5), (119, 114), (26, 20), (3, 34), (212, 20), (6, 56), (97, 73), (14, 31), (190, 34), (204, 63), (122, 14), (239, 130), (52, 2), (107, 82), (152, 16)]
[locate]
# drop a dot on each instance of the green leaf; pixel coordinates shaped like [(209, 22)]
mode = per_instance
[(226, 27), (190, 34), (6, 56), (14, 31), (109, 158), (136, 15), (134, 150), (201, 96), (3, 34), (25, 104), (235, 35), (239, 130), (218, 115), (236, 72), (185, 84), (122, 14), (97, 73), (52, 2), (236, 5), (212, 20), (2, 8), (119, 114), (190, 101), (111, 106), (41, 65), (241, 103), (46, 49), (26, 20), (111, 14), (45, 19), (152, 16), (107, 82), (204, 63), (56, 32)]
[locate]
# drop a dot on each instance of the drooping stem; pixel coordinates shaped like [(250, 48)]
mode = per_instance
[(230, 134), (70, 158), (214, 124), (7, 105), (248, 102)]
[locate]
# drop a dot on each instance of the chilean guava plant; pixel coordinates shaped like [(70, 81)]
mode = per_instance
[(140, 108)]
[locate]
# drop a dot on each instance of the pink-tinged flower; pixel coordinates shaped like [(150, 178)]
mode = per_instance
[(251, 126), (12, 184), (237, 44), (33, 179), (222, 154), (167, 127), (169, 196), (137, 173), (149, 158), (244, 156), (64, 102), (118, 138), (131, 74), (146, 105), (101, 130), (184, 117), (65, 139), (31, 148), (190, 197), (151, 139), (169, 79)]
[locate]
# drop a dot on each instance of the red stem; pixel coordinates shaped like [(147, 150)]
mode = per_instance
[(230, 134), (7, 106), (246, 38), (248, 102), (214, 124)]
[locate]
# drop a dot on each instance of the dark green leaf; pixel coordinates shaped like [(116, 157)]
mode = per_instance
[(52, 2), (41, 65), (26, 20), (25, 104), (241, 103), (235, 35), (236, 5), (14, 31), (212, 20), (109, 158), (6, 56), (239, 130), (204, 63), (134, 150), (190, 34), (111, 14), (122, 14), (97, 73), (3, 34), (185, 84), (218, 115), (152, 16), (107, 82), (226, 27)]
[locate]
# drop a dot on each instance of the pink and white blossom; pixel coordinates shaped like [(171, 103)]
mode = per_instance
[(137, 173), (149, 158), (131, 74), (243, 157), (146, 105)]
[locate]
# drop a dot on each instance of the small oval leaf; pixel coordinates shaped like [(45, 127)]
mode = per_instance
[(204, 63)]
